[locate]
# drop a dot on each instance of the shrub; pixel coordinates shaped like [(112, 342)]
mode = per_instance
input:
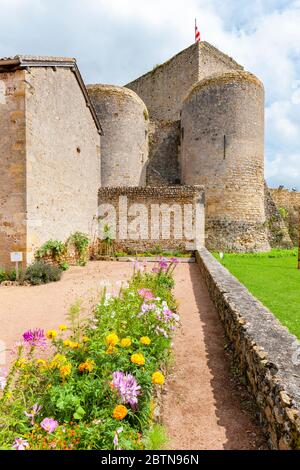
[(81, 242), (3, 275), (54, 248), (42, 273)]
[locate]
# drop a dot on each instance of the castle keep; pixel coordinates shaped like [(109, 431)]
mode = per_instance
[(196, 120)]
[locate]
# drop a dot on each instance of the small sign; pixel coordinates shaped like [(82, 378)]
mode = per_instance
[(16, 256)]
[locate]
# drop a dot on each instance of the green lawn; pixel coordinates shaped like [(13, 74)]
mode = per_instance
[(274, 279)]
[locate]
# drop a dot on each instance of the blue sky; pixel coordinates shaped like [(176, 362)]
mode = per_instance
[(115, 41)]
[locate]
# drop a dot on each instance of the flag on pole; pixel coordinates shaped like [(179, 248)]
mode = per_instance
[(197, 33)]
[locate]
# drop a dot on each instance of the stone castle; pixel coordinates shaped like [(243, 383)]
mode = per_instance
[(197, 119)]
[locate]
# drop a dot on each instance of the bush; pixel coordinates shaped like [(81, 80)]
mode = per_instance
[(81, 242), (3, 275), (42, 273), (54, 248)]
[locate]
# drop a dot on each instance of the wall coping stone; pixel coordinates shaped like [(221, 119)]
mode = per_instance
[(271, 343)]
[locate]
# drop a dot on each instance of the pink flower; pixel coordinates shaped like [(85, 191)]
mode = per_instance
[(35, 337), (34, 411), (146, 294), (163, 263), (20, 444), (174, 260), (49, 424)]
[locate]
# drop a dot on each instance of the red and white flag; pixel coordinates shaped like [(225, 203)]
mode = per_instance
[(197, 33)]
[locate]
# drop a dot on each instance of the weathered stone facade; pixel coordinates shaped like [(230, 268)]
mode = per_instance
[(124, 143), (13, 230), (164, 88), (164, 144), (267, 354), (278, 232), (50, 154), (222, 148), (171, 217), (289, 201)]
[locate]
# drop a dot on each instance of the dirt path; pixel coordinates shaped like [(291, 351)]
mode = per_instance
[(45, 306), (202, 405)]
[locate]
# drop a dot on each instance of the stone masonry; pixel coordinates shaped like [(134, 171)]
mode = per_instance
[(50, 154), (140, 219)]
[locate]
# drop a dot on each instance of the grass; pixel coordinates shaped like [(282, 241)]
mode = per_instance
[(273, 278)]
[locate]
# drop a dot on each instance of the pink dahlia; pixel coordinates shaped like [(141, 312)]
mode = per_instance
[(49, 424)]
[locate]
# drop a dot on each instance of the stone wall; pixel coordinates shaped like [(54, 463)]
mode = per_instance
[(63, 157), (171, 217), (266, 352), (164, 142), (164, 88), (124, 144), (278, 232), (13, 166), (222, 148), (290, 202)]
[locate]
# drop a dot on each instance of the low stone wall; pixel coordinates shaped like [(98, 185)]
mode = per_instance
[(265, 350), (142, 218)]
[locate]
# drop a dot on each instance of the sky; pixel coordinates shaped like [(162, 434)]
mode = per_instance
[(115, 41)]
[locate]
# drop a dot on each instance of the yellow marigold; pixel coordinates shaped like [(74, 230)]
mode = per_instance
[(71, 344), (58, 361), (120, 412), (51, 334), (112, 339), (65, 370), (158, 378), (138, 359), (126, 342), (110, 350), (85, 339), (145, 340), (87, 366), (62, 327), (21, 362), (42, 364)]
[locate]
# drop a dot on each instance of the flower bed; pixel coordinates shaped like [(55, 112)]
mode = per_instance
[(91, 384)]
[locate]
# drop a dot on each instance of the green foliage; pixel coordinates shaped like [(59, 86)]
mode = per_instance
[(273, 278), (156, 438), (3, 275), (73, 383), (54, 248), (42, 273), (81, 242), (283, 212), (64, 265)]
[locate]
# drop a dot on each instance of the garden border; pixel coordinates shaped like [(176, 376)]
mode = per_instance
[(263, 349)]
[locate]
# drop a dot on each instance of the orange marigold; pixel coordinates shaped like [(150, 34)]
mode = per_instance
[(86, 366), (158, 378), (120, 412), (112, 339), (138, 359)]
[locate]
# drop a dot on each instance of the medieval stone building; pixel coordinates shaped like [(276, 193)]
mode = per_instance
[(49, 154), (197, 119)]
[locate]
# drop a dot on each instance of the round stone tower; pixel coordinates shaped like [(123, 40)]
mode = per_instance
[(124, 143), (222, 148)]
